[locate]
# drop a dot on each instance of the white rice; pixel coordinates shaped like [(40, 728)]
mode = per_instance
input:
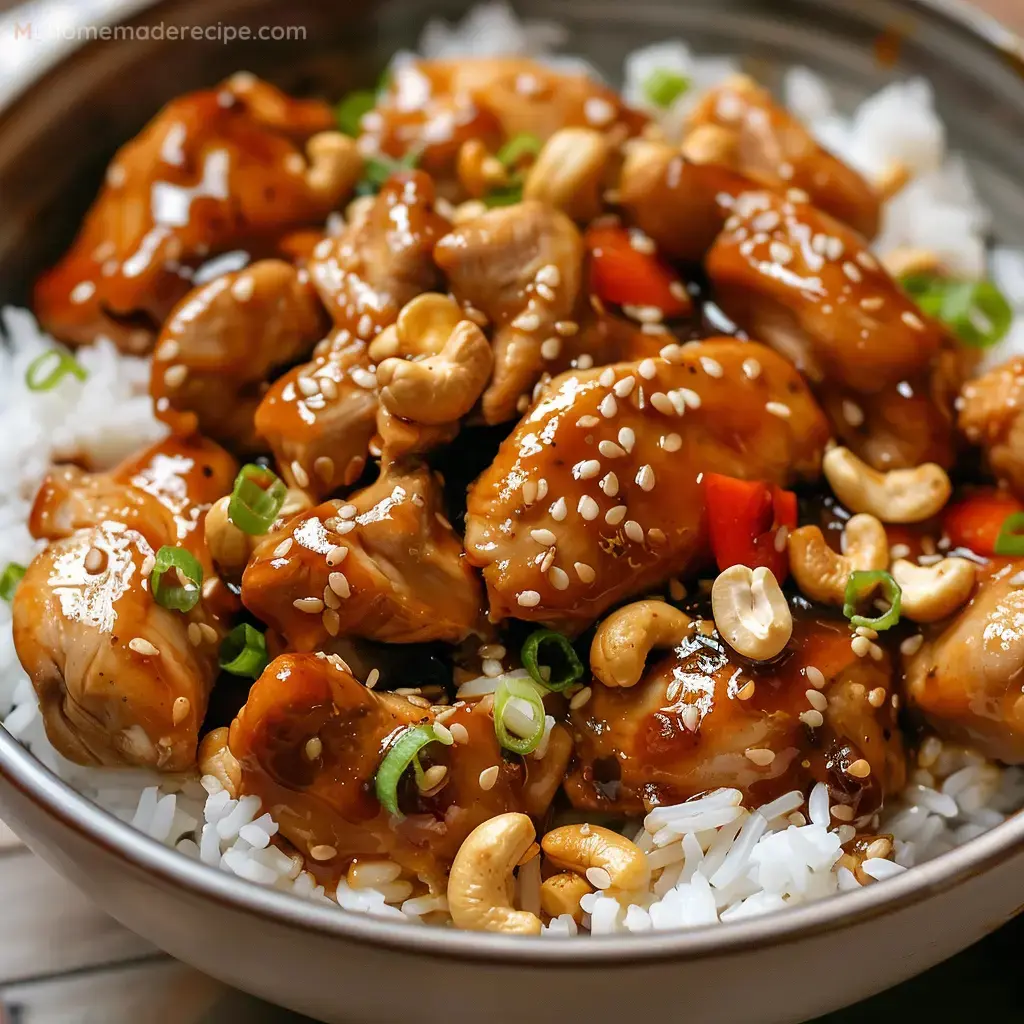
[(712, 859)]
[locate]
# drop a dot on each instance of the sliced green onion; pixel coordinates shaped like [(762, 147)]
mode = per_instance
[(860, 586), (523, 144), (403, 752), (663, 87), (976, 311), (507, 196), (573, 667), (9, 580), (518, 715), (1011, 536), (256, 499), (45, 372), (244, 652), (380, 167), (349, 112), (178, 590)]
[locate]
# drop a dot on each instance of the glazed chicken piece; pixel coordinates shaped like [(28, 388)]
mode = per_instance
[(739, 126), (703, 717), (224, 342), (385, 565), (433, 107), (991, 414), (320, 417), (323, 795), (966, 677), (596, 494), (799, 280), (226, 168)]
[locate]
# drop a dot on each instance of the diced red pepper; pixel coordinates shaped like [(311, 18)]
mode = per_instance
[(744, 517), (625, 276), (974, 523)]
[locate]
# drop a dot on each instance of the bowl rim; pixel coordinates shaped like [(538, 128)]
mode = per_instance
[(37, 784)]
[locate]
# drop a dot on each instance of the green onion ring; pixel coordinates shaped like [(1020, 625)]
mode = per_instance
[(349, 112), (244, 652), (256, 499), (1011, 536), (663, 87), (859, 586), (523, 689), (176, 596), (9, 580), (65, 364), (530, 656), (523, 144), (404, 751), (976, 311)]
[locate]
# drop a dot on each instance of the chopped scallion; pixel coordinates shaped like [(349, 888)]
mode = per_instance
[(403, 752), (1010, 541), (244, 652), (523, 144), (9, 580), (507, 196), (256, 499), (860, 586), (46, 371), (976, 311), (518, 715), (349, 112), (176, 579), (566, 660), (380, 167), (663, 87)]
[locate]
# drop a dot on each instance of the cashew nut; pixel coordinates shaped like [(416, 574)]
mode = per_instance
[(215, 758), (711, 144), (440, 388), (579, 847), (569, 173), (751, 612), (561, 894), (821, 573), (932, 592), (545, 775), (480, 881), (335, 165), (899, 496), (623, 641), (422, 328), (229, 546), (478, 170), (895, 177)]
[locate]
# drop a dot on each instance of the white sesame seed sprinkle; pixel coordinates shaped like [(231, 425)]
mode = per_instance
[(779, 409), (309, 605), (528, 599), (608, 407), (586, 422), (558, 510), (671, 442), (336, 555), (300, 475), (645, 478), (712, 367), (812, 719), (852, 271), (585, 572), (662, 403), (543, 537), (816, 699), (587, 469), (623, 387), (551, 348), (615, 515), (634, 531), (760, 756), (142, 646), (488, 777), (610, 485), (647, 369), (559, 578), (815, 677), (610, 450), (912, 320), (751, 368), (588, 508), (283, 548)]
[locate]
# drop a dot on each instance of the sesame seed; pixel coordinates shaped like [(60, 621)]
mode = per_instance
[(691, 717), (879, 848), (550, 275), (547, 559), (587, 469), (180, 709), (195, 634), (623, 387), (588, 508), (842, 812), (671, 442), (647, 369), (558, 510), (314, 748), (672, 353), (781, 253), (331, 599), (860, 645), (283, 548), (336, 555), (876, 652), (712, 367), (812, 719), (488, 777), (567, 328), (175, 376), (372, 678), (364, 379), (149, 564), (300, 475), (585, 572), (634, 531), (866, 260), (615, 515), (797, 195), (662, 403), (608, 407), (324, 468), (307, 386), (143, 647), (852, 413), (528, 321), (309, 605), (323, 852), (746, 691), (645, 478), (331, 620), (544, 537), (871, 303), (328, 388), (912, 320), (338, 582), (551, 348), (760, 756), (815, 677), (586, 422), (751, 369), (610, 450), (528, 599), (690, 398), (781, 536), (876, 698), (912, 644), (859, 769), (852, 271), (610, 485), (559, 578), (529, 492), (458, 732), (816, 699), (866, 631), (642, 242), (834, 247), (627, 438), (779, 409), (580, 698), (209, 633), (491, 667), (542, 489), (545, 292), (656, 536)]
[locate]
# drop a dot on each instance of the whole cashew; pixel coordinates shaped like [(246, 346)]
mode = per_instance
[(215, 758), (899, 496), (623, 641), (579, 847), (821, 573), (932, 592), (751, 612), (480, 881), (569, 172), (440, 388), (561, 894), (422, 328), (544, 776), (335, 165)]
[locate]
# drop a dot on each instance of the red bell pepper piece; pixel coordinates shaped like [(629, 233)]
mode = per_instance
[(974, 522), (626, 276), (744, 517)]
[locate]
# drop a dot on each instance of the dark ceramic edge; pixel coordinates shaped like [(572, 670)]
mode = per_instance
[(20, 770)]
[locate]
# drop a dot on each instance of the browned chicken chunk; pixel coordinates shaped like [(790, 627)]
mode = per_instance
[(224, 342), (799, 280), (739, 125), (966, 677), (309, 742), (597, 493), (991, 414), (385, 565), (232, 167), (704, 717)]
